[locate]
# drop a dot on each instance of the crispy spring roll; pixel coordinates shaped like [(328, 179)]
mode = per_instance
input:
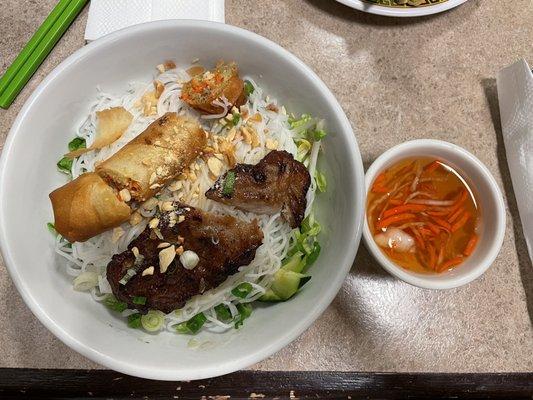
[(204, 89), (155, 157), (86, 207)]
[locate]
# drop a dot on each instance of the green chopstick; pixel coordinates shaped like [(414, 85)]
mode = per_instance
[(41, 51), (32, 44)]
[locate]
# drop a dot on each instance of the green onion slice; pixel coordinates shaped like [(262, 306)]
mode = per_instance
[(193, 325), (65, 165), (320, 180), (236, 119), (112, 303), (51, 227), (248, 88), (245, 310), (242, 290), (129, 274), (77, 143), (229, 184), (223, 312), (141, 300), (153, 321), (134, 321)]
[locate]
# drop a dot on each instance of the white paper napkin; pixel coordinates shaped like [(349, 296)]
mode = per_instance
[(515, 95), (106, 16)]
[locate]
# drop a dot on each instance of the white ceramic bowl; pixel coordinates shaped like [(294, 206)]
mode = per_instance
[(27, 174), (487, 192), (400, 11)]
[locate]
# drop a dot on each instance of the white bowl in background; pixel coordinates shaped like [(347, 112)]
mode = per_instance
[(38, 139), (390, 11), (491, 229)]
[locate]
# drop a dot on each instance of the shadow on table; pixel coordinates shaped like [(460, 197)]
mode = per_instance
[(524, 262), (365, 265)]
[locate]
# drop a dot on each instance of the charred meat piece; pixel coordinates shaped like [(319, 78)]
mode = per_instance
[(217, 245), (212, 86), (277, 183)]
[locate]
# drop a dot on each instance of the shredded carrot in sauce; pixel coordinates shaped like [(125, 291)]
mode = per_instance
[(432, 209)]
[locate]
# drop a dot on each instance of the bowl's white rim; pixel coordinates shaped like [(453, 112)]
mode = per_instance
[(401, 12), (295, 329), (449, 282)]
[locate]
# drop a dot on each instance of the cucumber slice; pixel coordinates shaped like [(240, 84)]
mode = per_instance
[(270, 296), (286, 283), (296, 263)]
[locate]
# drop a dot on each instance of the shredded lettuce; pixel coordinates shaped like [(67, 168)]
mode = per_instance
[(304, 148), (305, 248), (318, 135), (306, 127), (320, 180), (300, 124)]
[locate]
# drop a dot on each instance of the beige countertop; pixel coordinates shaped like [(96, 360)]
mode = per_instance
[(397, 79)]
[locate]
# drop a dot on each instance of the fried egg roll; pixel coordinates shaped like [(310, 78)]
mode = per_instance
[(155, 157), (204, 89), (86, 207)]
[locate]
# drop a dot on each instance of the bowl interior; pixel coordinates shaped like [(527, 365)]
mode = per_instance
[(39, 137), (488, 198)]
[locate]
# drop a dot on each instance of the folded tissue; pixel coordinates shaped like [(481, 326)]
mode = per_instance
[(106, 16), (515, 95)]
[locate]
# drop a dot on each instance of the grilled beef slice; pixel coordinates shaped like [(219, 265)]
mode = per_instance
[(222, 243), (277, 183)]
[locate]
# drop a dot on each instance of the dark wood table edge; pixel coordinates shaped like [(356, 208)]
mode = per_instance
[(80, 384)]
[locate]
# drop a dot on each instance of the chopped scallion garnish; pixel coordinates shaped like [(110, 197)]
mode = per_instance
[(76, 143), (223, 312), (65, 165), (129, 274), (229, 184), (245, 310), (52, 228), (153, 320), (242, 290), (134, 321), (236, 119), (193, 325), (141, 300), (248, 88), (112, 303)]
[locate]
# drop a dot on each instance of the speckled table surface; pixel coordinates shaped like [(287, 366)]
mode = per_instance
[(397, 79)]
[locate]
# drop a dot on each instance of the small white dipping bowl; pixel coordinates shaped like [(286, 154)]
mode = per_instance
[(492, 223)]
